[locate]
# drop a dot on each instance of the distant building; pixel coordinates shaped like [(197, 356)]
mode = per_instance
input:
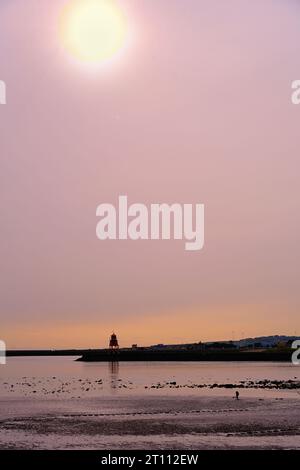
[(177, 347), (221, 345), (113, 342)]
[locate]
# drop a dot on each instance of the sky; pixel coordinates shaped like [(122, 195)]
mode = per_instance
[(196, 109)]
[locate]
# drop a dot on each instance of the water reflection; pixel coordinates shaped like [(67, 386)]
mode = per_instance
[(113, 367)]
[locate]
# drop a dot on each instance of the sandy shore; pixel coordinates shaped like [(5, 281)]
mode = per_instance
[(155, 422), (63, 404)]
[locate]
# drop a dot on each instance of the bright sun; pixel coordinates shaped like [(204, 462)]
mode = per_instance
[(93, 31)]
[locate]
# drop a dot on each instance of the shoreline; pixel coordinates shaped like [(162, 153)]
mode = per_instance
[(62, 404), (161, 422)]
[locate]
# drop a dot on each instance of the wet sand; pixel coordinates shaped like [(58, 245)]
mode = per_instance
[(154, 422), (58, 403)]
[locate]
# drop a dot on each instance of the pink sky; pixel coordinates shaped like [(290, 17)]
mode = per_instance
[(197, 110)]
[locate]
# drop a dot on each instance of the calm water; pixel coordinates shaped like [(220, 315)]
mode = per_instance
[(64, 377)]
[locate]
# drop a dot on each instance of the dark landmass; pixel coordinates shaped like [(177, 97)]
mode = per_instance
[(44, 352), (185, 355), (267, 348)]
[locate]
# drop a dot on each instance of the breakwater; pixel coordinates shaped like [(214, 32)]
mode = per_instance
[(184, 355)]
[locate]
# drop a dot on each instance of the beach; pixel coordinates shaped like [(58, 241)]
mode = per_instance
[(153, 423), (147, 406)]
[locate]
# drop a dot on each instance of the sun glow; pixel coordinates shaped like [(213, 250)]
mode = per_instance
[(93, 31)]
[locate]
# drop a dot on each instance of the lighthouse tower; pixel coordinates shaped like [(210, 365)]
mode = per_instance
[(113, 342)]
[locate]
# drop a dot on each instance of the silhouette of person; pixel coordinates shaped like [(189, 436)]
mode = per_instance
[(237, 394)]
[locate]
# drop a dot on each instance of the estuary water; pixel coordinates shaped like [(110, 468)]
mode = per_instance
[(64, 376)]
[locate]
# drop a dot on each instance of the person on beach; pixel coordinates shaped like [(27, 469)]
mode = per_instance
[(237, 394)]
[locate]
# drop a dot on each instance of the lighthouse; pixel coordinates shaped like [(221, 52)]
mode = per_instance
[(113, 342)]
